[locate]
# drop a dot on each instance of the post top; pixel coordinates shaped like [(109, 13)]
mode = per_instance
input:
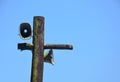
[(39, 17)]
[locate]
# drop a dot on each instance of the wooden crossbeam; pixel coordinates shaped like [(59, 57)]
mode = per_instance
[(26, 46)]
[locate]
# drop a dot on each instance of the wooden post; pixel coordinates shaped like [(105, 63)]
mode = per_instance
[(38, 50)]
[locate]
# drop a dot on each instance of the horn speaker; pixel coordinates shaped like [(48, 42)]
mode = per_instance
[(48, 57)]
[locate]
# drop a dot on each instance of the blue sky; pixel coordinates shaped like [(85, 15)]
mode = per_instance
[(92, 26)]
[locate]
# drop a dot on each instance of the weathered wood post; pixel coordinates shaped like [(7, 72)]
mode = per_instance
[(38, 50)]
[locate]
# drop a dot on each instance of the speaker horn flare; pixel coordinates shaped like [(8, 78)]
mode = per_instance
[(48, 57)]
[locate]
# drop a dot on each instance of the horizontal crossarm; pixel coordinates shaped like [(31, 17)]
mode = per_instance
[(26, 46), (58, 46)]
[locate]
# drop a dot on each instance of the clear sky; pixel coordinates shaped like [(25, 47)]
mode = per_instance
[(92, 26)]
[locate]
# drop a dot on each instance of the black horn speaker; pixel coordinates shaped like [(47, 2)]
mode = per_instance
[(25, 30), (49, 57)]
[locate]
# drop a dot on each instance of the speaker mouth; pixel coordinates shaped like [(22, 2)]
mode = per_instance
[(49, 57), (25, 31)]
